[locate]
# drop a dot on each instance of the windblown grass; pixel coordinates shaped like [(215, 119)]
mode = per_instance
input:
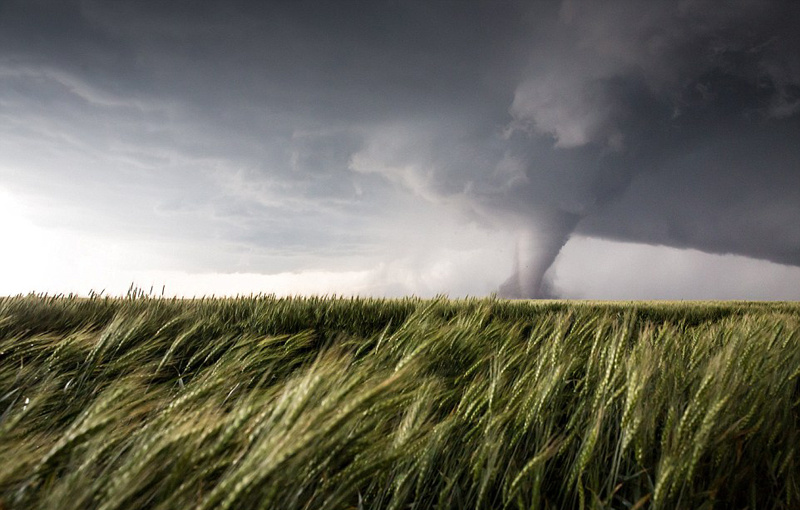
[(263, 402)]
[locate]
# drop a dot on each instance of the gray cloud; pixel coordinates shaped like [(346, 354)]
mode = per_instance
[(686, 110), (290, 127)]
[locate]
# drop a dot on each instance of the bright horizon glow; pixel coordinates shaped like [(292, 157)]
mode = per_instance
[(52, 261)]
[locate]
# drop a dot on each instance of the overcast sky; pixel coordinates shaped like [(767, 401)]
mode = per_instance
[(577, 149)]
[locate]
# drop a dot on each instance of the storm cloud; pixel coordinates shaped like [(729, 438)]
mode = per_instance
[(295, 133), (687, 113)]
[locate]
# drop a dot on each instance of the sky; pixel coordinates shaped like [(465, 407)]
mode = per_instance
[(534, 149)]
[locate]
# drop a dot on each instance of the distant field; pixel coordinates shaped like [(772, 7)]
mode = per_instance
[(312, 403)]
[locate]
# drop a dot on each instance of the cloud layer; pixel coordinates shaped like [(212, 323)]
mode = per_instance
[(316, 136)]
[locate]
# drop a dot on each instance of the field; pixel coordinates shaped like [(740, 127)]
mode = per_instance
[(261, 402)]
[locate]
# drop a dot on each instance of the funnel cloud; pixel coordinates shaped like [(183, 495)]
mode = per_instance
[(537, 247)]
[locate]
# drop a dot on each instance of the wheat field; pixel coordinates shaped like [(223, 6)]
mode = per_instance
[(325, 402)]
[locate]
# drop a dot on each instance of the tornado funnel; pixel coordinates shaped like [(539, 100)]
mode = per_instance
[(537, 246)]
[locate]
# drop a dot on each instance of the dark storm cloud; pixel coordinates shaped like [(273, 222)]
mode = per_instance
[(318, 60), (289, 123), (281, 94), (686, 113)]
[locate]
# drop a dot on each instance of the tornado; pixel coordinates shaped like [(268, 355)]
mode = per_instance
[(538, 243)]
